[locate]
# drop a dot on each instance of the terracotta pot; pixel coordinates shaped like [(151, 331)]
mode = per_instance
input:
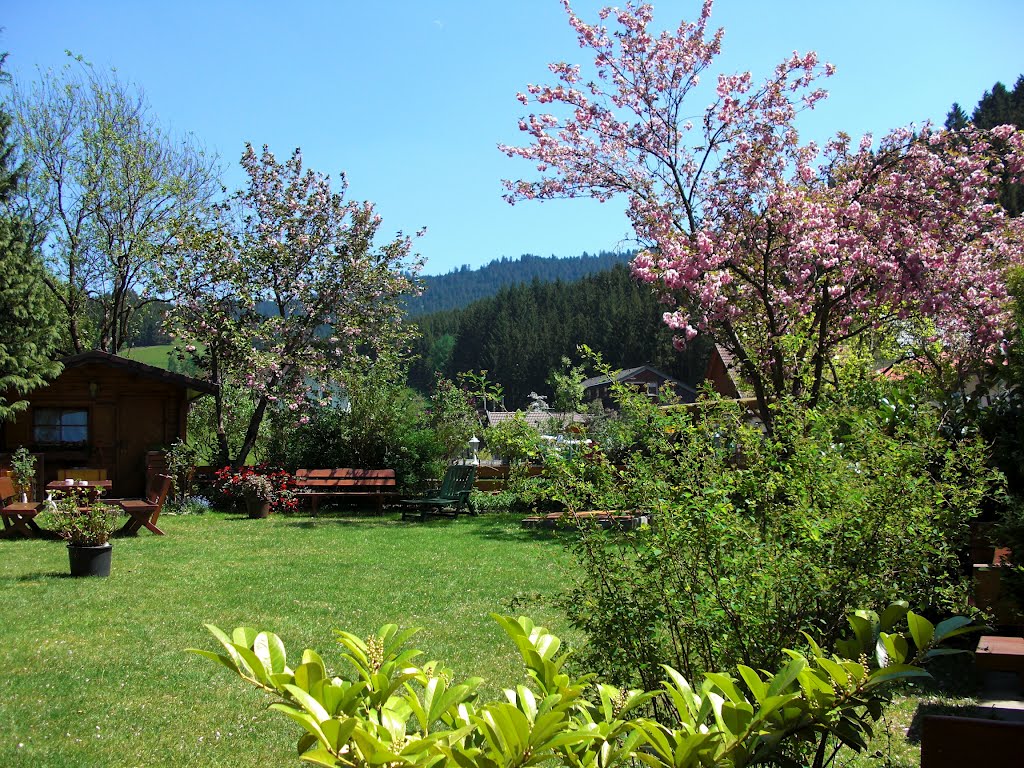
[(257, 507)]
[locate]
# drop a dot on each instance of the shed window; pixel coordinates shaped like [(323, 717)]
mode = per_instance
[(58, 426)]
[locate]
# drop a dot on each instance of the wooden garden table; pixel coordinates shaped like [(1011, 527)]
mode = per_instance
[(96, 488)]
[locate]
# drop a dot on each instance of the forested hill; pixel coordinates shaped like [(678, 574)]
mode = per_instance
[(465, 285), (520, 335)]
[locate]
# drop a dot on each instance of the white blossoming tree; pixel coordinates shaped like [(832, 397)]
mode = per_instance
[(287, 290)]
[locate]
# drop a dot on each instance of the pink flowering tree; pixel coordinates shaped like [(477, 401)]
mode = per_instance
[(783, 252), (287, 289)]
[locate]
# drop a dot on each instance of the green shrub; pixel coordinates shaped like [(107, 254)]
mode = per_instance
[(384, 425), (392, 712), (756, 538)]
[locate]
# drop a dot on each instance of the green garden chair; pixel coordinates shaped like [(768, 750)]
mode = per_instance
[(450, 499)]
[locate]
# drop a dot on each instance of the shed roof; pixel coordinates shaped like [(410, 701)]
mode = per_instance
[(95, 356)]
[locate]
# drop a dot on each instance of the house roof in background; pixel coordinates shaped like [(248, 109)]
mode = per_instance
[(536, 419), (627, 373), (733, 370)]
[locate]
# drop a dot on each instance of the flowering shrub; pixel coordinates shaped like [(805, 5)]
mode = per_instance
[(265, 483), (82, 522)]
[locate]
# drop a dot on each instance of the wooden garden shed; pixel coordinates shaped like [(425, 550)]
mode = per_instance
[(104, 412)]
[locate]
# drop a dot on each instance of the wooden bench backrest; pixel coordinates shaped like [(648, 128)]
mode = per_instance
[(343, 478), (82, 473), (6, 490)]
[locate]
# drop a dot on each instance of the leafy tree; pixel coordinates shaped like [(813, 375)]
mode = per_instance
[(781, 252), (567, 383), (108, 189), (1000, 106), (286, 291), (27, 332), (755, 538)]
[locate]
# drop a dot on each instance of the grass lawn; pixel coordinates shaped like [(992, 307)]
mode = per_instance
[(155, 355), (94, 671)]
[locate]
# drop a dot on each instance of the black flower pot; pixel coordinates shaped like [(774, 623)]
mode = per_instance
[(90, 561)]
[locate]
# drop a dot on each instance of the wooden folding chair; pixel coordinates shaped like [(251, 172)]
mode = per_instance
[(143, 513)]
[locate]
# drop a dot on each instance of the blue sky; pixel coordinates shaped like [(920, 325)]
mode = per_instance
[(410, 98)]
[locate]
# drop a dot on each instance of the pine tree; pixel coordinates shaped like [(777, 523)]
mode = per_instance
[(956, 118), (28, 333)]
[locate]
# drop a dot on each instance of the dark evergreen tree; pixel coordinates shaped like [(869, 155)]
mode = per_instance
[(998, 106), (956, 118), (28, 332)]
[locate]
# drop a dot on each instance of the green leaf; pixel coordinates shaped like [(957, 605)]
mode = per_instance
[(893, 614), (270, 650), (753, 681), (309, 703), (953, 626), (304, 719), (321, 757), (218, 657), (244, 636), (338, 732), (836, 671), (736, 716), (786, 677), (772, 703), (309, 674), (726, 685), (229, 646), (895, 672), (863, 629), (896, 647), (252, 663), (921, 630)]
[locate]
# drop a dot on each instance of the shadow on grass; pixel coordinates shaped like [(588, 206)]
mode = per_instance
[(494, 527), (953, 691), (508, 527), (39, 575), (343, 518)]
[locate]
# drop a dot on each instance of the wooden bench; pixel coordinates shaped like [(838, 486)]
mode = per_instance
[(18, 516), (317, 484), (963, 742)]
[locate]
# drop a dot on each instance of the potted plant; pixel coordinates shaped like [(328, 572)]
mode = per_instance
[(263, 490), (86, 527), (23, 473)]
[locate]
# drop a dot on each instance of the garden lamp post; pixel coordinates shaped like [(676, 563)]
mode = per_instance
[(474, 444)]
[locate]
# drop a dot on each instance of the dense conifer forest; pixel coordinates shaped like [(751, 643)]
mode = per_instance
[(465, 285), (520, 334)]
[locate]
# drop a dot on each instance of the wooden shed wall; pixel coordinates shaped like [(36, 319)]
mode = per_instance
[(129, 414)]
